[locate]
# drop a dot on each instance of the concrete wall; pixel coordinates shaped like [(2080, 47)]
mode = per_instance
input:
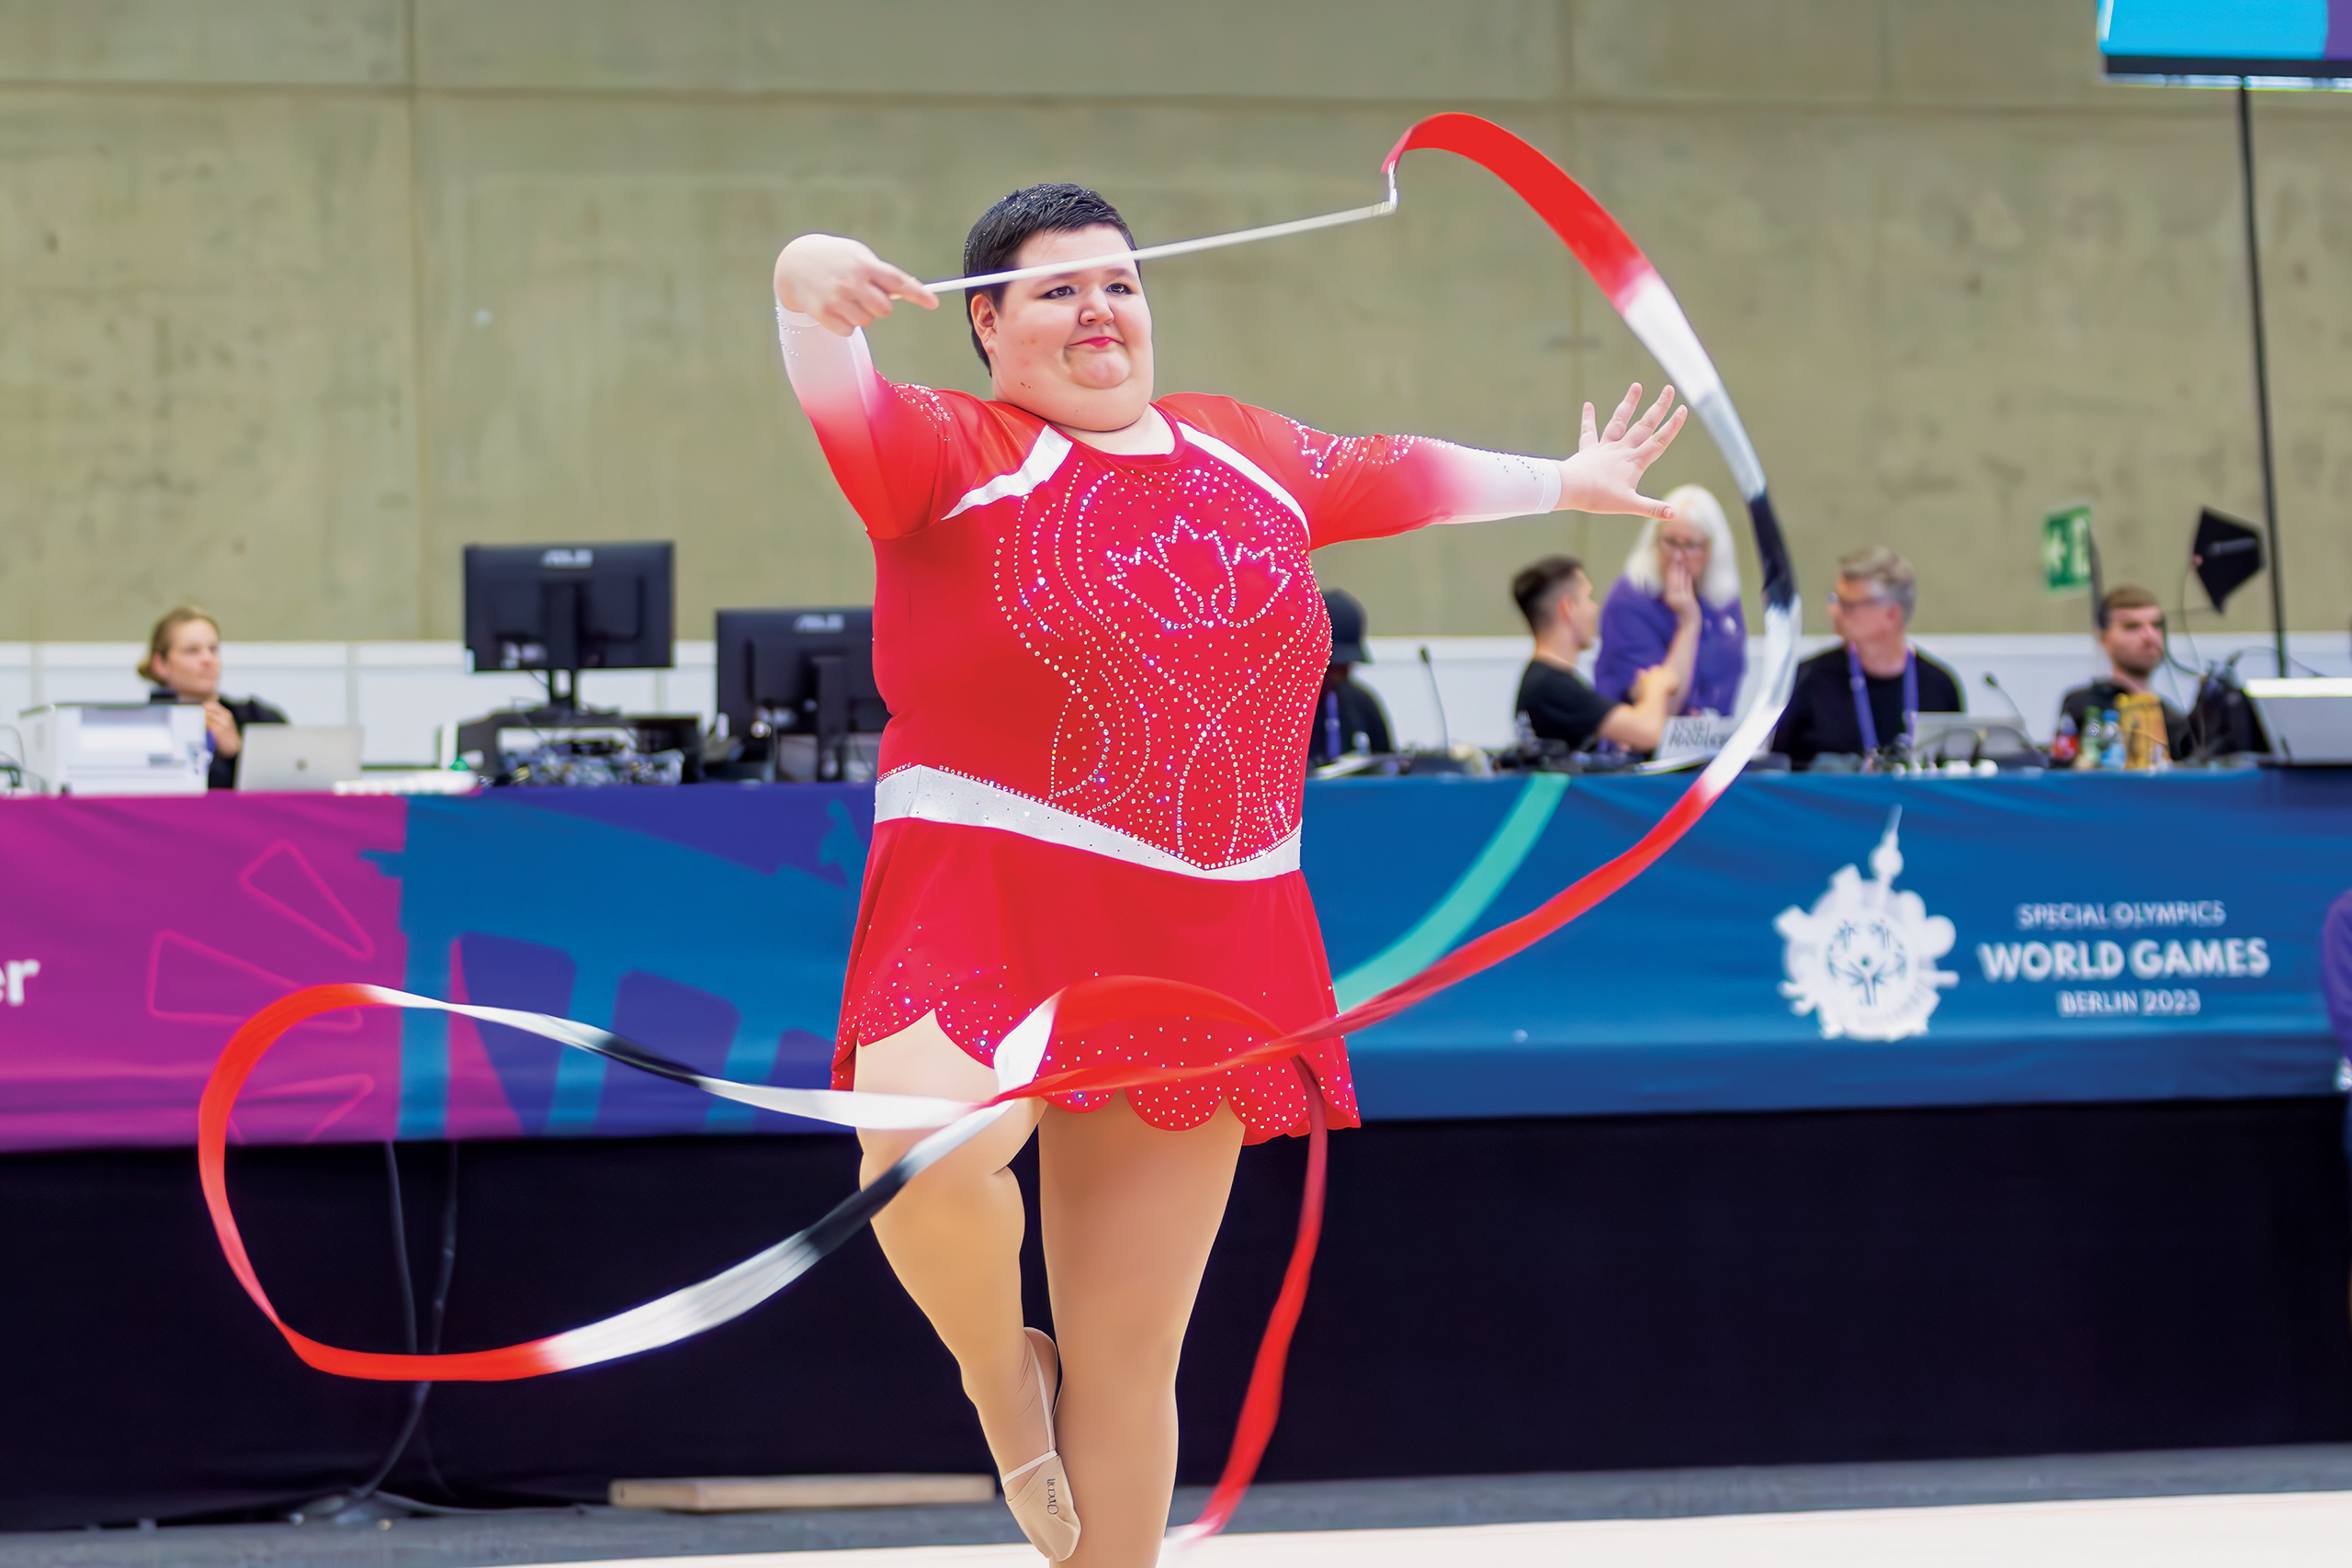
[(298, 297)]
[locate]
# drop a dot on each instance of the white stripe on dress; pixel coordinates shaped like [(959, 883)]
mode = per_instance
[(934, 795), (1246, 468), (1035, 469)]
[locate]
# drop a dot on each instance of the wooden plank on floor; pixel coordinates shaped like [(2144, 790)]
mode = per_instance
[(742, 1494)]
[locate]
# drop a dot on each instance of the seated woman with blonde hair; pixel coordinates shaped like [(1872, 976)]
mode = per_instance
[(183, 661), (1677, 604)]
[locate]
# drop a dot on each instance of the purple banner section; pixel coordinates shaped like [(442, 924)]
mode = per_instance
[(135, 935)]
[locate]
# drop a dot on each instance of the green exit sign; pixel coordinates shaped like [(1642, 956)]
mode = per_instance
[(2066, 550)]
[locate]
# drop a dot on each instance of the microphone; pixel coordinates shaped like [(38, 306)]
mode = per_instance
[(2024, 733), (1430, 666)]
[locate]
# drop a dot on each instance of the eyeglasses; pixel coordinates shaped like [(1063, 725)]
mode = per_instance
[(1839, 602), (1683, 546)]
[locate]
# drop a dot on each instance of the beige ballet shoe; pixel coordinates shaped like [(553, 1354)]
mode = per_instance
[(1038, 1491)]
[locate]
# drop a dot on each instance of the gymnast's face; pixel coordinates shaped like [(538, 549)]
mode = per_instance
[(1074, 348)]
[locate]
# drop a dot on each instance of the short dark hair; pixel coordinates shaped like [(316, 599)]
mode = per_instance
[(1052, 209), (1535, 586)]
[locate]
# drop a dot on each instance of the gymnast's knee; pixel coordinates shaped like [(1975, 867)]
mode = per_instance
[(1144, 1358)]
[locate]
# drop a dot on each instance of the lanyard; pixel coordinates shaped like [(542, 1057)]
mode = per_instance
[(1331, 747), (1862, 696)]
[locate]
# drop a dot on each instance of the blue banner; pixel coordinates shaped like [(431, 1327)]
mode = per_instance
[(1813, 942), (1849, 942)]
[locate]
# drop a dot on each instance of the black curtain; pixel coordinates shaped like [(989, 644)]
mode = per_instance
[(1492, 1297)]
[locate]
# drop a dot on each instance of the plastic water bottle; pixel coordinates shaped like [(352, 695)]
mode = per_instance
[(2067, 742), (2110, 740)]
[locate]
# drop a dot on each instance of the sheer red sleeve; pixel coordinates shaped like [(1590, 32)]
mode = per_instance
[(901, 454), (1367, 487)]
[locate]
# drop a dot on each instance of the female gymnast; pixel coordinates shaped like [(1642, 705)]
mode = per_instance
[(1100, 639)]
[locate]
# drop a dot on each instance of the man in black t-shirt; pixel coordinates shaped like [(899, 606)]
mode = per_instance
[(1555, 596), (1856, 699), (2131, 630), (1348, 715)]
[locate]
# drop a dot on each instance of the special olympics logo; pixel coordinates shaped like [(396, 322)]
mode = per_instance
[(1863, 959)]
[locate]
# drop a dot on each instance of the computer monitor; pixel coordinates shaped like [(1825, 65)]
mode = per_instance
[(564, 609), (2310, 719), (800, 673)]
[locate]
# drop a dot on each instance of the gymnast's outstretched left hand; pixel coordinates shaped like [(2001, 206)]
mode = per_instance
[(1606, 473)]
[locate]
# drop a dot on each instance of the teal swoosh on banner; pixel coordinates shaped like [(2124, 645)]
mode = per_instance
[(1455, 913)]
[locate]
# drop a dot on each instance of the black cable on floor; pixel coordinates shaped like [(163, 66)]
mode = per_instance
[(373, 1486), (441, 1307)]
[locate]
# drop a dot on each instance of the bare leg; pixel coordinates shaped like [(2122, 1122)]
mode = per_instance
[(1129, 1213), (953, 1235)]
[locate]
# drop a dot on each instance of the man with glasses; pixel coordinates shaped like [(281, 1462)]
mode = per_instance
[(2131, 631), (1856, 699)]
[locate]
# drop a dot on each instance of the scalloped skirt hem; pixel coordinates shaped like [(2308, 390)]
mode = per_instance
[(981, 925)]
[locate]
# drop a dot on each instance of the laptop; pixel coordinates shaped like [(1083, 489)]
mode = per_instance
[(1962, 738), (297, 756), (2308, 721)]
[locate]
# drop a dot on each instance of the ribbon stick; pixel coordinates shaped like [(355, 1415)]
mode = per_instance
[(1649, 308), (1179, 247)]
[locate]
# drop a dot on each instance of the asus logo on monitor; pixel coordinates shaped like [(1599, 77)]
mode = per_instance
[(569, 558), (816, 623)]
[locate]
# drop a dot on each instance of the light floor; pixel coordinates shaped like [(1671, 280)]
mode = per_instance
[(2271, 1531)]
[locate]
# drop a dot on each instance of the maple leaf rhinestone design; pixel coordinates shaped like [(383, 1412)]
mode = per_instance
[(1191, 580), (1178, 610)]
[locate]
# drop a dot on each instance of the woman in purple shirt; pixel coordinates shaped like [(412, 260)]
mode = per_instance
[(1683, 573)]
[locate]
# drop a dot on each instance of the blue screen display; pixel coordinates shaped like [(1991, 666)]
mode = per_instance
[(2218, 34)]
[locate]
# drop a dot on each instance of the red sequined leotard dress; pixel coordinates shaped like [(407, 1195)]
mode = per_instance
[(1100, 670)]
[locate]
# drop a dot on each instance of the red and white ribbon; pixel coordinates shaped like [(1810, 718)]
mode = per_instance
[(1649, 308)]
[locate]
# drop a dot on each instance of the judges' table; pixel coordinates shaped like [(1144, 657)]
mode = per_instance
[(1814, 944), (1537, 1257)]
